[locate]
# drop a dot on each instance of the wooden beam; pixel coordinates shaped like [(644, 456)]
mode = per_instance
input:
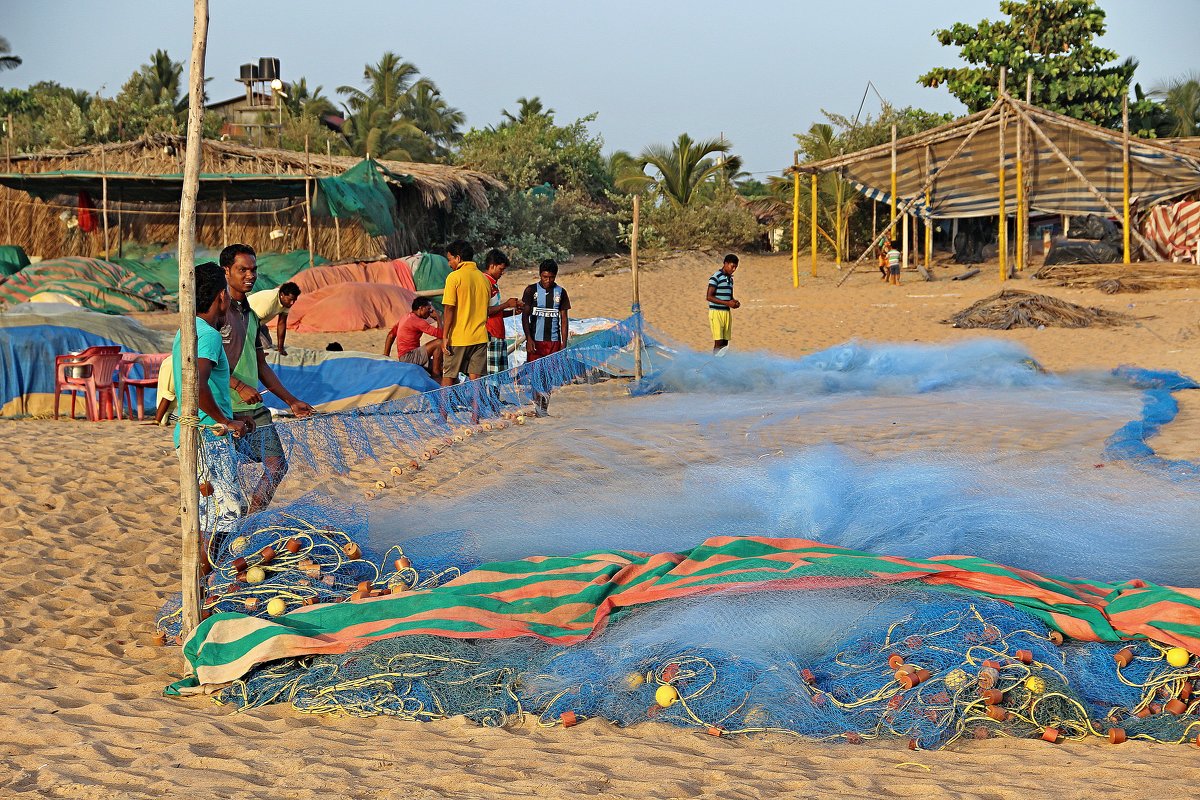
[(1002, 232), (104, 197), (188, 391), (892, 224), (308, 200)]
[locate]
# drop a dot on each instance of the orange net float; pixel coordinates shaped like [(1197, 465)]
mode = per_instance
[(403, 562), (988, 677), (997, 713), (413, 465), (206, 489), (569, 719), (239, 565), (895, 661), (397, 471), (1175, 707), (1024, 656), (910, 679), (1123, 657), (1116, 735), (293, 545), (1055, 637), (808, 677), (160, 638), (993, 697), (715, 730), (267, 555), (352, 551), (1050, 735)]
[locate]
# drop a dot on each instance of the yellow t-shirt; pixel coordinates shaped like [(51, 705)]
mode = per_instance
[(266, 305), (467, 289)]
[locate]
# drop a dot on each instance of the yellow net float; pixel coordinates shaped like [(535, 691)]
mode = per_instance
[(255, 575), (277, 607), (1178, 657), (666, 695)]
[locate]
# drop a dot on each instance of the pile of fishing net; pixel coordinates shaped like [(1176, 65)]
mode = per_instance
[(483, 598), (1012, 308)]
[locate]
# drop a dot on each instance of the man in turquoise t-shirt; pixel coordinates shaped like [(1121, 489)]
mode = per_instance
[(222, 508)]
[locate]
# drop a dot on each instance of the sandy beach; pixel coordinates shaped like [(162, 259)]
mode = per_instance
[(89, 527)]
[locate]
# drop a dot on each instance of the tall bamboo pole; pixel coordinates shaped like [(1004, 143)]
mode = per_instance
[(224, 219), (904, 243), (637, 298), (892, 223), (795, 226), (189, 489), (120, 223), (928, 208), (1002, 232), (1021, 218), (104, 197), (337, 225), (812, 223), (308, 200), (1126, 217), (8, 222), (837, 227)]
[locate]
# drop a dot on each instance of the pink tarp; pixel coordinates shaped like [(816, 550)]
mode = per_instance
[(394, 273), (352, 306)]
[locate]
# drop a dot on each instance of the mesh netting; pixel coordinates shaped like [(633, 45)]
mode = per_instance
[(906, 451)]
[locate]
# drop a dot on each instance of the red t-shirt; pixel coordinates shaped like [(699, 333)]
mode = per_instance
[(495, 325), (408, 333)]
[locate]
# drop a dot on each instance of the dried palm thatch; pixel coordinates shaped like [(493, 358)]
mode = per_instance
[(1011, 308), (421, 205), (1113, 278)]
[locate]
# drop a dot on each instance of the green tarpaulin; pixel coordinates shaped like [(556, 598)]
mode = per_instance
[(273, 268), (12, 260), (362, 193)]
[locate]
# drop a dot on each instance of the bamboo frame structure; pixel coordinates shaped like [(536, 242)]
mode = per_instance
[(796, 230), (1002, 232), (189, 437), (892, 224)]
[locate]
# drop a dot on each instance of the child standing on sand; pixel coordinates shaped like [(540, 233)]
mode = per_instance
[(893, 260)]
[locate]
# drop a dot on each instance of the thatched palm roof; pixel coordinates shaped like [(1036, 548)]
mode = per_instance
[(437, 185)]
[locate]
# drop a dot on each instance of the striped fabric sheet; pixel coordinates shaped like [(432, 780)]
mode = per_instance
[(564, 600), (1175, 228)]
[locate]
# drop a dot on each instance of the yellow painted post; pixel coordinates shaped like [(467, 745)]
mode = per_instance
[(928, 229), (1126, 217), (1021, 221), (1002, 233), (813, 224), (795, 230)]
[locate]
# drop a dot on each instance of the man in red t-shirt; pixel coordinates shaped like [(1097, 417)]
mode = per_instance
[(494, 265), (407, 335)]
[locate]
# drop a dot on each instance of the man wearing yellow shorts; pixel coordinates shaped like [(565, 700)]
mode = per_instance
[(721, 303)]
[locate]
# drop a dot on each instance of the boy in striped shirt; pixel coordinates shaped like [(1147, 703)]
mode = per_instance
[(720, 302)]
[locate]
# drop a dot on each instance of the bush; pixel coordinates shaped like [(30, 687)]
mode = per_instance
[(720, 222)]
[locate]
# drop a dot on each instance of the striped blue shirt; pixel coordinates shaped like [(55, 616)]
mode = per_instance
[(724, 288)]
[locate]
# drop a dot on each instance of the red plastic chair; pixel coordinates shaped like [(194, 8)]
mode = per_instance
[(91, 373), (129, 387)]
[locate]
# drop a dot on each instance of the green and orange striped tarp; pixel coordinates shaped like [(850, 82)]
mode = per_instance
[(567, 599)]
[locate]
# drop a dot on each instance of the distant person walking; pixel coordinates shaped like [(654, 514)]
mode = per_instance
[(544, 307), (465, 300), (274, 304), (721, 303)]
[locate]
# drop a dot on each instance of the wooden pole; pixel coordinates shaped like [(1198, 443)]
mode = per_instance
[(104, 197), (337, 225), (8, 222), (837, 226), (1126, 217), (308, 200), (189, 488), (1021, 219), (904, 243), (637, 298), (795, 229), (224, 219), (892, 224), (812, 210), (120, 223), (1002, 232)]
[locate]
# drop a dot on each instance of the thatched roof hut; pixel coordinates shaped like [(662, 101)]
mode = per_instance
[(249, 194)]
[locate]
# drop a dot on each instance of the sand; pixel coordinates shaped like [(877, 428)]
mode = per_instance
[(88, 529)]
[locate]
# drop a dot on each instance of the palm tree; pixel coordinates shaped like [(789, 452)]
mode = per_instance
[(7, 61), (528, 108), (376, 131), (628, 174), (387, 83), (427, 110), (1181, 98), (302, 101), (684, 166), (160, 81), (833, 193)]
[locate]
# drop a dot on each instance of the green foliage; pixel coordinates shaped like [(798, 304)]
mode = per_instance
[(531, 227), (528, 108), (1181, 105), (536, 151), (1053, 40), (397, 115), (722, 221), (684, 166)]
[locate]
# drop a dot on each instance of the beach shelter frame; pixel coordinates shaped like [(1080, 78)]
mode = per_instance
[(1066, 179)]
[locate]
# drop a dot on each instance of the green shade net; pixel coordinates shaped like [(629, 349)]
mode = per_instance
[(12, 260), (361, 193), (273, 268)]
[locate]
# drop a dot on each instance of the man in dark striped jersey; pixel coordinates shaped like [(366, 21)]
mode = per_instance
[(720, 302), (544, 309)]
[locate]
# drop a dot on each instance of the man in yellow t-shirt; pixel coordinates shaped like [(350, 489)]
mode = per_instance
[(465, 300)]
